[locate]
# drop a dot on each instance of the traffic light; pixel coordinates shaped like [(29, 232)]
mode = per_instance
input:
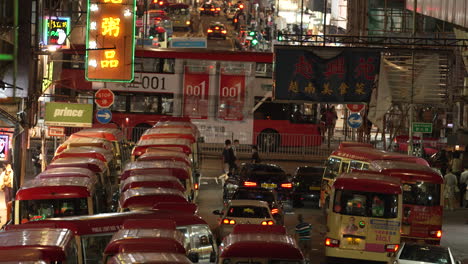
[(254, 42), (241, 6), (252, 33), (280, 36)]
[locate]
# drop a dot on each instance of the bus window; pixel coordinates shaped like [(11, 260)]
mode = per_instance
[(348, 202), (120, 103), (355, 165), (421, 193), (271, 111), (41, 209), (365, 166), (303, 113), (332, 168), (149, 105), (167, 103), (344, 166), (263, 69)]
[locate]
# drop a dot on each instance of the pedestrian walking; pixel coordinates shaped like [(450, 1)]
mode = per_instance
[(229, 158), (255, 157), (451, 189), (37, 160), (331, 116), (463, 186), (303, 236), (6, 182)]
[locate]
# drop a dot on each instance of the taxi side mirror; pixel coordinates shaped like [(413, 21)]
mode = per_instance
[(217, 212), (193, 257)]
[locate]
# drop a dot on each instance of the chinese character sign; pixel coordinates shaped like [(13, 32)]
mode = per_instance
[(231, 97), (196, 91), (348, 76), (110, 45), (56, 31)]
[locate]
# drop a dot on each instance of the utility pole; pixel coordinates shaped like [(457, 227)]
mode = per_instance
[(411, 106)]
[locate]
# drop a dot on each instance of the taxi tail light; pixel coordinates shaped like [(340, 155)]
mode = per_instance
[(330, 242), (287, 185), (392, 247), (268, 222), (196, 186), (161, 3), (235, 20), (223, 31), (250, 184), (229, 221), (218, 9), (210, 31), (436, 233), (274, 211), (212, 9)]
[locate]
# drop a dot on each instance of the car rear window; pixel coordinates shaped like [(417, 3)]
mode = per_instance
[(254, 195), (248, 212), (429, 254)]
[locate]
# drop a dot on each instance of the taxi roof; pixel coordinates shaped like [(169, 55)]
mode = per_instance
[(182, 143), (86, 151), (111, 222), (51, 242), (150, 258), (368, 154), (148, 197), (407, 171), (260, 245), (156, 240), (157, 167), (163, 181), (85, 141), (248, 202), (93, 164), (366, 181), (111, 134), (66, 172), (259, 229), (160, 154), (189, 208), (56, 188)]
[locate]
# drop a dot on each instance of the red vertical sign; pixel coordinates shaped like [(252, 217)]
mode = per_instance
[(196, 89), (231, 97)]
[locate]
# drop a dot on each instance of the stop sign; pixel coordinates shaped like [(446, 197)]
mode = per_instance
[(104, 98), (355, 107)]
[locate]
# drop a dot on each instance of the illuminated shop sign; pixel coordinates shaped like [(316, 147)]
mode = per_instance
[(56, 30)]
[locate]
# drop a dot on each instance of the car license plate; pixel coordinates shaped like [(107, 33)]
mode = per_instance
[(353, 241), (314, 188), (268, 185)]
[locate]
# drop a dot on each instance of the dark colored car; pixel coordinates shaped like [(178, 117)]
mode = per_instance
[(209, 9), (260, 175), (269, 196), (306, 185), (216, 31)]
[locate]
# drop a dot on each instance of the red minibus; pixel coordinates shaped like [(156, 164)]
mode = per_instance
[(42, 198), (422, 199), (104, 155), (170, 131), (259, 244), (166, 167), (185, 145), (164, 154), (85, 141), (38, 245), (152, 181), (66, 172), (145, 198), (356, 156), (149, 258)]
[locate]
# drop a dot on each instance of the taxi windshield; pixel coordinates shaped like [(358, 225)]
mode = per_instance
[(33, 210), (94, 245), (369, 204), (421, 193), (248, 212)]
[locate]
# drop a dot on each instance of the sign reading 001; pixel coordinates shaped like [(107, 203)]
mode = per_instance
[(110, 45)]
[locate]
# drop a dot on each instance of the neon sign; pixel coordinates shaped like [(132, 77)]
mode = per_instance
[(110, 45), (4, 141), (56, 31)]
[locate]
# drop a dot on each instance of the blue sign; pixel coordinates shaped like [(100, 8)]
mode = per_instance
[(104, 116), (188, 43), (354, 120), (325, 75)]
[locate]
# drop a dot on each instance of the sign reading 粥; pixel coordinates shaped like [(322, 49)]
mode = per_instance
[(56, 31), (325, 75), (196, 90), (231, 97), (68, 115), (110, 45)]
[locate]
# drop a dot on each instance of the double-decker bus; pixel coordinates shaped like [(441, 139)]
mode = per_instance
[(226, 94)]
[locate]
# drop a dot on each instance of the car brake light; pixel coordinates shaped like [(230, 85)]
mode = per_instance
[(218, 8), (264, 223), (201, 8), (229, 221), (187, 22), (392, 247), (210, 31), (225, 221), (196, 186), (330, 242), (436, 233), (223, 31), (268, 222), (274, 211), (235, 20), (286, 185), (212, 9), (250, 184), (216, 27), (161, 2)]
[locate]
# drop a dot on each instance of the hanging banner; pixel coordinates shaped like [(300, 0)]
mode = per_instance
[(325, 75), (231, 97), (196, 90)]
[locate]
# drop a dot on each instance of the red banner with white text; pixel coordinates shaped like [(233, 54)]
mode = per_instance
[(231, 97), (196, 89)]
